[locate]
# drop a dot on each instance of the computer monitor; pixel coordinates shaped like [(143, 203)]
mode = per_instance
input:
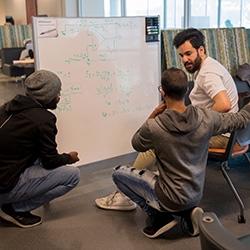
[(42, 15), (9, 19)]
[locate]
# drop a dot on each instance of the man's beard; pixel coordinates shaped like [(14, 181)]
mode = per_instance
[(196, 64), (52, 105)]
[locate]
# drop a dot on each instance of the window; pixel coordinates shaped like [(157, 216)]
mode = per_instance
[(245, 16), (204, 14), (175, 13), (235, 13), (112, 8)]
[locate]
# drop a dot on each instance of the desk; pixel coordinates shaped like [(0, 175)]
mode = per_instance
[(28, 66)]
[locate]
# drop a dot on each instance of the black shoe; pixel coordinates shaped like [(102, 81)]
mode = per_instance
[(21, 219), (160, 223), (190, 223)]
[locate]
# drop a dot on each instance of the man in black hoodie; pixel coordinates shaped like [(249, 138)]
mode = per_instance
[(32, 172)]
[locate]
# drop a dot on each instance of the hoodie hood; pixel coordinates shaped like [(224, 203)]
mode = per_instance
[(175, 122), (20, 103)]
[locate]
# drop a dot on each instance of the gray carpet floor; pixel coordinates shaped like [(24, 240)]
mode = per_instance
[(74, 222)]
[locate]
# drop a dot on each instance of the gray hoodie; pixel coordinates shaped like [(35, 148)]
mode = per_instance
[(181, 143)]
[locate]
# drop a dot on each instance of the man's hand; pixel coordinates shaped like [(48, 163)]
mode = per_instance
[(73, 157), (158, 110)]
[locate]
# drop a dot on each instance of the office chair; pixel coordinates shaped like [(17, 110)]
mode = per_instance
[(213, 235), (238, 145)]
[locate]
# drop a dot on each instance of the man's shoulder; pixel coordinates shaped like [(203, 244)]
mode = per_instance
[(212, 66), (40, 115), (212, 62)]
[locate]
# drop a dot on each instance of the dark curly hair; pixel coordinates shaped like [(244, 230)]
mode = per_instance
[(174, 83), (194, 36)]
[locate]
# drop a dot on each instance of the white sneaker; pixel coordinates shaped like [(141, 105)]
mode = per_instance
[(116, 201), (196, 213), (191, 224)]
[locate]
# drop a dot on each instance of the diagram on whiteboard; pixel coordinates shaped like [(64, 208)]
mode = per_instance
[(102, 40)]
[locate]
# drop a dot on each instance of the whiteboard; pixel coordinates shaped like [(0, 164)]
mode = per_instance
[(109, 77)]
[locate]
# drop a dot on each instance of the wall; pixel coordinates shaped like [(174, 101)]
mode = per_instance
[(53, 8), (57, 8), (14, 8), (2, 13)]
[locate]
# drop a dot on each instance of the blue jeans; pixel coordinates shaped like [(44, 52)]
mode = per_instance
[(38, 186), (139, 186)]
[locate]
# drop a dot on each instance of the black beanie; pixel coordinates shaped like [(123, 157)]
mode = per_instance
[(43, 85)]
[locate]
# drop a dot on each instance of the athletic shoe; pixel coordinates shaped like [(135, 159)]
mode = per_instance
[(21, 219), (191, 224), (116, 201), (160, 223)]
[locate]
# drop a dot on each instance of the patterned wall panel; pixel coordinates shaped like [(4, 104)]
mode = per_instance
[(13, 35), (248, 36)]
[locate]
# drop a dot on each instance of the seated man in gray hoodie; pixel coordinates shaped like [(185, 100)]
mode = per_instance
[(179, 136)]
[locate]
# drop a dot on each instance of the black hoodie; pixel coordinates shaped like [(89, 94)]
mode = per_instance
[(27, 132)]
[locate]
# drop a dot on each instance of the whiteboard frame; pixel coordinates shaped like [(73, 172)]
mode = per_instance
[(129, 155)]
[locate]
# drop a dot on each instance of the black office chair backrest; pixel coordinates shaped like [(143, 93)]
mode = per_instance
[(243, 136), (213, 236)]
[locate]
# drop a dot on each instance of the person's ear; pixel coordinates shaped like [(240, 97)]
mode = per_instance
[(58, 96), (201, 51), (162, 92)]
